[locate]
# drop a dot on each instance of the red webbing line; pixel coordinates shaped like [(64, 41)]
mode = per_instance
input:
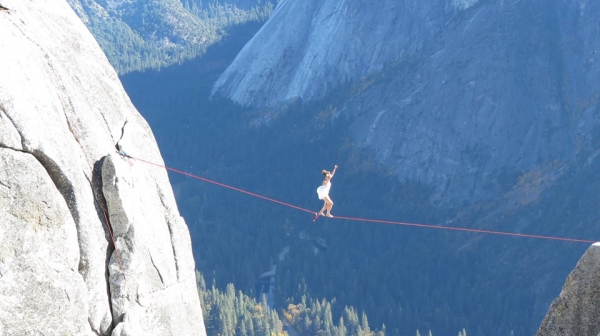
[(573, 240), (112, 237), (224, 185), (108, 225), (429, 226)]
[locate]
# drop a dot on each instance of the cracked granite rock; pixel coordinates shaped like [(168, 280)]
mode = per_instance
[(62, 110), (576, 311)]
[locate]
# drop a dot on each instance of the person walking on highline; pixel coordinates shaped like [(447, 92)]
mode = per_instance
[(323, 193)]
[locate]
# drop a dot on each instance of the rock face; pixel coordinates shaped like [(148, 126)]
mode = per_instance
[(308, 47), (464, 96), (576, 311), (62, 110)]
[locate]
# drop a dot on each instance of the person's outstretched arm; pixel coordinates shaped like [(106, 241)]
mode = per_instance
[(333, 171)]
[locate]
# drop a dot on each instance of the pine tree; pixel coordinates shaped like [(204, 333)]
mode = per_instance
[(352, 318), (241, 328), (341, 329), (364, 324), (328, 321), (306, 323), (228, 314), (250, 327), (317, 325)]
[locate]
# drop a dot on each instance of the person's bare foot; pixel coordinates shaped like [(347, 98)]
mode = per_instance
[(321, 214), (329, 215)]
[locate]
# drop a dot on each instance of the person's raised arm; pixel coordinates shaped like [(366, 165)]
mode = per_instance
[(334, 169)]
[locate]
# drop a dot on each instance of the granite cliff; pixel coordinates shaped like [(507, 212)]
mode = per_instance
[(576, 310), (63, 187), (464, 96)]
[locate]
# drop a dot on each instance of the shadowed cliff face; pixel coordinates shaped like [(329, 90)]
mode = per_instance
[(62, 110), (464, 96), (576, 311)]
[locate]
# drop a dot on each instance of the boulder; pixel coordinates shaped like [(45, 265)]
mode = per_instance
[(576, 311)]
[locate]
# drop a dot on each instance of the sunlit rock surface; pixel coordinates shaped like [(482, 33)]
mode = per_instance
[(62, 110)]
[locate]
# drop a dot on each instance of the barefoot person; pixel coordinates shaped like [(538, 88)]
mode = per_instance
[(323, 192)]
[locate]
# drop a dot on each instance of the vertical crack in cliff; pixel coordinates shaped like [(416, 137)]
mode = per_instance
[(101, 210), (94, 178), (156, 268), (3, 114), (95, 331), (107, 126), (61, 182), (170, 224), (118, 145), (66, 188)]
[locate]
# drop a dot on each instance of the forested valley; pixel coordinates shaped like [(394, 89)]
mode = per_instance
[(329, 272), (136, 36)]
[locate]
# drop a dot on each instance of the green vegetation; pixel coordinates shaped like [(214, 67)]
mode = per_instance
[(222, 14), (229, 313), (152, 38), (234, 313), (314, 317), (404, 278)]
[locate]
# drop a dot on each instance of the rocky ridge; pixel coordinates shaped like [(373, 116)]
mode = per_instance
[(62, 111), (576, 310)]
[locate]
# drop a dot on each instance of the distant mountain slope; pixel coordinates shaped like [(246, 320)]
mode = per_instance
[(143, 34), (463, 96), (309, 47)]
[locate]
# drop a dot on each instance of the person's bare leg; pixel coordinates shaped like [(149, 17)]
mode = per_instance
[(329, 206), (323, 209)]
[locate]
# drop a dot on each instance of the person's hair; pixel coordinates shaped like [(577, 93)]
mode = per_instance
[(325, 172)]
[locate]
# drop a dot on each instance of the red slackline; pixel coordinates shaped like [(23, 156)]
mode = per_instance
[(429, 226)]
